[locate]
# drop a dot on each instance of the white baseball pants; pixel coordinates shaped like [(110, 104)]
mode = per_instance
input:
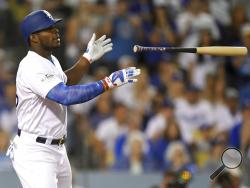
[(40, 165)]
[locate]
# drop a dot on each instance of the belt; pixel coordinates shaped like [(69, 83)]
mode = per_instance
[(43, 140)]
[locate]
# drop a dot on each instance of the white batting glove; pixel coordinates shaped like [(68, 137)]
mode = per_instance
[(121, 77), (97, 48)]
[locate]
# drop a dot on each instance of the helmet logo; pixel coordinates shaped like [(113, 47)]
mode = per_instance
[(48, 14)]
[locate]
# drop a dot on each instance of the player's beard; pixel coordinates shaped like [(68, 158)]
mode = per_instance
[(52, 45)]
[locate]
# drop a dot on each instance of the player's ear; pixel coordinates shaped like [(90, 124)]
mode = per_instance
[(33, 38)]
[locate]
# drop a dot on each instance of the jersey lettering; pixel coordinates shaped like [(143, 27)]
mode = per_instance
[(17, 100)]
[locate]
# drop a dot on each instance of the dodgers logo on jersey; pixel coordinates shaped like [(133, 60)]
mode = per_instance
[(45, 77), (48, 14)]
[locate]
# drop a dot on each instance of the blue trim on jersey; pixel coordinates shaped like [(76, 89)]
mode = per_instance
[(68, 95)]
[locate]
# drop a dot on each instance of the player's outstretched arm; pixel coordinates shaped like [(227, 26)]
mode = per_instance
[(95, 50), (69, 95)]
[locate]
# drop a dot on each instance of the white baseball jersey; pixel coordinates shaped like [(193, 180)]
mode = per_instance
[(36, 76), (191, 117)]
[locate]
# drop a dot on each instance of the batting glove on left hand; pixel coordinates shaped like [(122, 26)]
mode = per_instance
[(121, 77), (97, 48)]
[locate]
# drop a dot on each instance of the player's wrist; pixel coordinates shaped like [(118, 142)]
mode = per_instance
[(88, 57), (107, 83)]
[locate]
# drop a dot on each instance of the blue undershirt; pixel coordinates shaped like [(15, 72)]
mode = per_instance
[(76, 94)]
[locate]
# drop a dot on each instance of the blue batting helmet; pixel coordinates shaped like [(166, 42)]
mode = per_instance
[(36, 21)]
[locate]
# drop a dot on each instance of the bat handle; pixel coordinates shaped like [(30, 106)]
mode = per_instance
[(217, 172), (138, 48)]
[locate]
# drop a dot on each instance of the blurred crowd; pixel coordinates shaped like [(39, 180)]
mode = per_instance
[(184, 110)]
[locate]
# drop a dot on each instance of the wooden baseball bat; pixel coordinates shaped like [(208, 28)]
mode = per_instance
[(208, 50)]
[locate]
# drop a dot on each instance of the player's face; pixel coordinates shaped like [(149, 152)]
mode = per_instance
[(49, 39)]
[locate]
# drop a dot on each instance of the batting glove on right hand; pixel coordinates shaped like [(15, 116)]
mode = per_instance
[(97, 48), (121, 77)]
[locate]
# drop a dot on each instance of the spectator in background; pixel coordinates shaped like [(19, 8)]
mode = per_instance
[(101, 111), (191, 112), (136, 161), (19, 9), (57, 7), (142, 18), (161, 34), (10, 14), (172, 179), (158, 145), (5, 163), (8, 67), (203, 64), (144, 92), (4, 74), (4, 142), (162, 78), (242, 65), (157, 101), (245, 171), (8, 119), (220, 10), (177, 85), (195, 17), (222, 117), (79, 28), (198, 67), (158, 123), (109, 129), (238, 18), (246, 4), (123, 32), (85, 149), (163, 22), (215, 94), (173, 7), (234, 36), (235, 136), (242, 136), (233, 103), (217, 147), (215, 86), (155, 38), (169, 179), (201, 149), (134, 125), (227, 179), (208, 91), (178, 159), (132, 150)]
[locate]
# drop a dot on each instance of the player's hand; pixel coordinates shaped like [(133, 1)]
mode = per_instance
[(121, 77), (97, 48)]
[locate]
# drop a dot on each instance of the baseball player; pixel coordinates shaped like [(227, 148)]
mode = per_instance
[(43, 92)]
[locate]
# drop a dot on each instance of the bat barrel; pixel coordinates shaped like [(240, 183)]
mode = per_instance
[(222, 50)]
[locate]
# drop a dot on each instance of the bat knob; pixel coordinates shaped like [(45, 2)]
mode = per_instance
[(135, 48)]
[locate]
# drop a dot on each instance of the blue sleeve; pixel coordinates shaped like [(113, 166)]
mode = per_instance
[(68, 95)]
